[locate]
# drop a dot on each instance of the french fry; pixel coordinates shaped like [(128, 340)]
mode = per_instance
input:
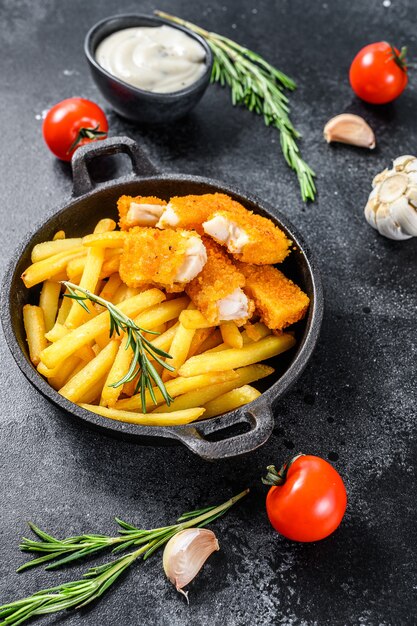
[(171, 419), (95, 370), (90, 276), (232, 358), (60, 234), (110, 266), (34, 324), (49, 248), (200, 335), (63, 372), (194, 319), (215, 339), (85, 353), (64, 309), (179, 350), (75, 269), (56, 353), (119, 296), (230, 401), (48, 268), (161, 313), (176, 387), (261, 332), (48, 302), (231, 335), (118, 370), (114, 239), (109, 289), (94, 392), (245, 375)]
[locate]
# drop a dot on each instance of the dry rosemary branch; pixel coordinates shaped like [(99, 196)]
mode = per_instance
[(257, 85), (96, 580), (142, 348)]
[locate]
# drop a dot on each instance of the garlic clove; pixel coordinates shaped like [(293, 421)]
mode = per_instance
[(393, 187), (401, 162), (387, 226), (405, 216), (370, 213), (185, 554), (380, 177), (350, 129), (411, 166)]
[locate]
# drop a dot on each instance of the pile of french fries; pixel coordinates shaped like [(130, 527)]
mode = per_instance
[(73, 350)]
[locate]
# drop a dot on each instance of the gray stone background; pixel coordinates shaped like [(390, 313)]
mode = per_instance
[(354, 405)]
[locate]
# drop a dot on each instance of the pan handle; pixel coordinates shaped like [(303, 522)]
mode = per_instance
[(82, 183), (259, 418)]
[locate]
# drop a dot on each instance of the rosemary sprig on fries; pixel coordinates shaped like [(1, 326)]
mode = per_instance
[(258, 86), (142, 348), (96, 580)]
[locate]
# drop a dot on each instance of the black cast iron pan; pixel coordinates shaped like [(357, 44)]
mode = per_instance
[(232, 434)]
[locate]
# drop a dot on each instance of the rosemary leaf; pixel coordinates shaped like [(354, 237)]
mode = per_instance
[(142, 348), (257, 85), (97, 580)]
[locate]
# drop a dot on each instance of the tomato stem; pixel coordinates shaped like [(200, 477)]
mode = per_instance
[(275, 478), (399, 59), (87, 133)]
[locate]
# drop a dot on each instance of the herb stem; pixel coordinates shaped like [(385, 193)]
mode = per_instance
[(97, 580), (141, 346), (257, 85)]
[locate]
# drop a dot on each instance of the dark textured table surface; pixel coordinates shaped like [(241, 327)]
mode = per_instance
[(355, 403)]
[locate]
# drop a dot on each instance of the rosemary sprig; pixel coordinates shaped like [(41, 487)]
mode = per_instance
[(140, 345), (258, 86), (96, 580)]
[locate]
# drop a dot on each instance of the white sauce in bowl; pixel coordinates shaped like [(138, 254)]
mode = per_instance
[(160, 59)]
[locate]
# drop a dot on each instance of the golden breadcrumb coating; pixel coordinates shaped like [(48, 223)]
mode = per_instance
[(123, 206), (154, 256), (267, 243), (218, 279), (278, 300), (193, 210)]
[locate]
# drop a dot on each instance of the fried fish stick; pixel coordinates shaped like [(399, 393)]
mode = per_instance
[(139, 211), (278, 300), (217, 291), (189, 212), (249, 237), (165, 258)]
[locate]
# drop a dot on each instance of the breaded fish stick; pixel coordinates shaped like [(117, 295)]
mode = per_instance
[(189, 212), (278, 300), (139, 211), (249, 237), (166, 258), (217, 291)]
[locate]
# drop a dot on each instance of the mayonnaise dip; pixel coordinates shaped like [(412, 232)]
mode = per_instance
[(161, 59)]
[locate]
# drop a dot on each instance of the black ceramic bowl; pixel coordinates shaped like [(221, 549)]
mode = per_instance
[(133, 103), (231, 434)]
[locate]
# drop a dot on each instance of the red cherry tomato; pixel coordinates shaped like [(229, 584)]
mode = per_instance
[(378, 73), (311, 501), (72, 123)]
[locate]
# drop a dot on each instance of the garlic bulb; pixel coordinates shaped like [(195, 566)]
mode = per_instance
[(185, 554), (392, 205), (351, 129)]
